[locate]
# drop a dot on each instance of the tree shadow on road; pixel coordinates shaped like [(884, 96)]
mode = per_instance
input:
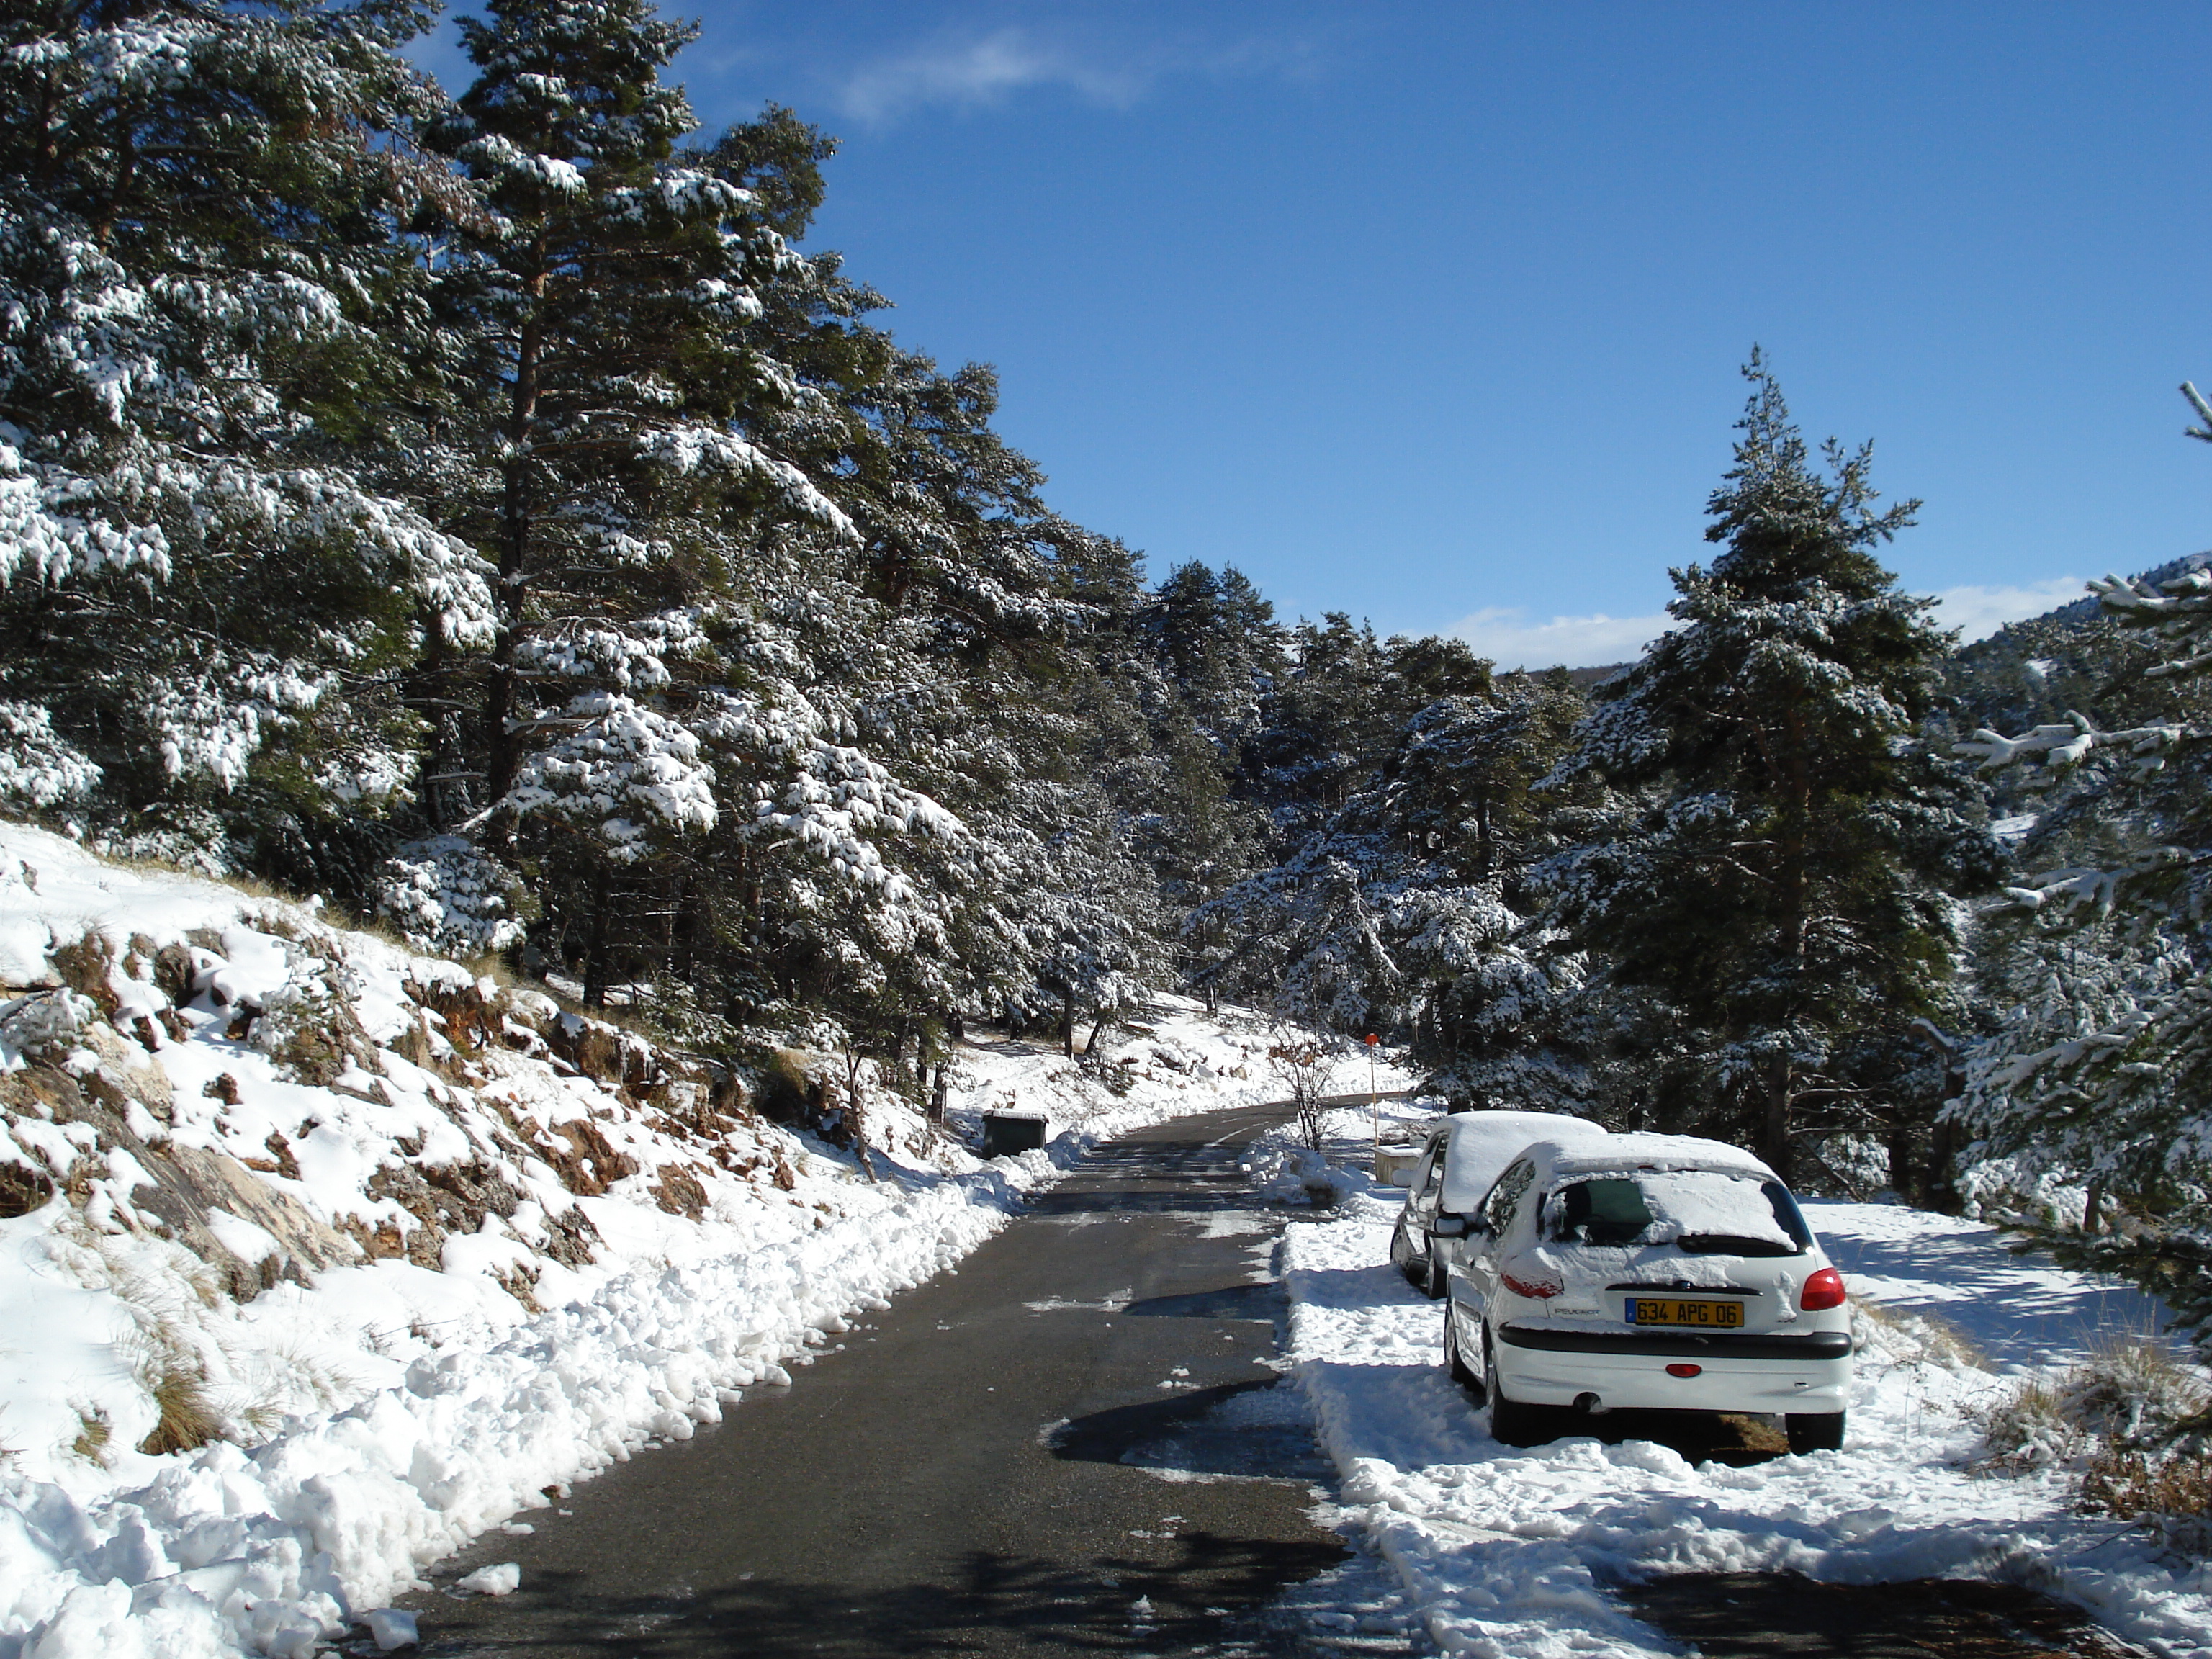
[(1208, 1592), (1257, 1431), (1749, 1615)]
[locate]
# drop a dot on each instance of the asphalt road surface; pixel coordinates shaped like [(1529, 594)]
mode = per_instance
[(1078, 1444), (972, 1472)]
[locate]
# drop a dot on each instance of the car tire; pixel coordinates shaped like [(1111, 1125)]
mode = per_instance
[(1456, 1362), (1433, 1283), (1512, 1422), (1402, 1255), (1812, 1431)]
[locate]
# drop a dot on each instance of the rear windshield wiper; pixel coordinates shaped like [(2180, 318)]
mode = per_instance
[(1733, 1244)]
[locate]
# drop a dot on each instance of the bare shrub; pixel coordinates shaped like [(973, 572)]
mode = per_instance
[(1306, 1067)]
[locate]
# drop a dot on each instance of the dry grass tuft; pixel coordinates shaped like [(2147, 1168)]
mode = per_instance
[(2131, 1421), (188, 1419), (2134, 1393), (94, 1433), (2174, 1493), (1915, 1338), (2030, 1428)]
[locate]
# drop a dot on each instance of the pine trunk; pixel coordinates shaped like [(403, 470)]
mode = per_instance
[(1774, 1134), (1795, 883), (502, 700), (595, 944)]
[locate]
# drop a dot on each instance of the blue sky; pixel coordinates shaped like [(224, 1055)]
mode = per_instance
[(1432, 313)]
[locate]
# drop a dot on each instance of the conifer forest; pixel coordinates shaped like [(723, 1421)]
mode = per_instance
[(489, 512)]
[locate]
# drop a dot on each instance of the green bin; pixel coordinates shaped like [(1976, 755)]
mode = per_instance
[(1012, 1132)]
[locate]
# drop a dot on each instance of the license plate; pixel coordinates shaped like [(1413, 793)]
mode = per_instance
[(1671, 1310)]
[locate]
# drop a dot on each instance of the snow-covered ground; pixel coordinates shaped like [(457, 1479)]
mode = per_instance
[(416, 1248), (1507, 1553)]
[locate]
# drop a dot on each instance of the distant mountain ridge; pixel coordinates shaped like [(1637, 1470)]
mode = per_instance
[(2085, 610)]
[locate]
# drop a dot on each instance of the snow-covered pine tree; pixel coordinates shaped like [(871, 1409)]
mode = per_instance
[(1780, 867), (1218, 642), (962, 673), (1403, 913), (206, 318), (608, 289), (2098, 1075)]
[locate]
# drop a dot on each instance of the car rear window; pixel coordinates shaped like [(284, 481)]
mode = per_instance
[(1702, 1212)]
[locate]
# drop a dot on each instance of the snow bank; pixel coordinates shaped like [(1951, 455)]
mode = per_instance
[(394, 1252), (1509, 1553)]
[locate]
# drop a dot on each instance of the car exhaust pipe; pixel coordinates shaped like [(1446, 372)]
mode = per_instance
[(1590, 1405)]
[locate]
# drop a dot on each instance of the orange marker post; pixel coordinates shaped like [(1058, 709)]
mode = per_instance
[(1374, 1100)]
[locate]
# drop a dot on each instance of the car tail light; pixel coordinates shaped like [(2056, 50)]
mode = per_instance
[(1825, 1289), (1537, 1290), (1684, 1371)]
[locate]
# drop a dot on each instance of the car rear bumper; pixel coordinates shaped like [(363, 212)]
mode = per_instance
[(1682, 1344), (1627, 1370)]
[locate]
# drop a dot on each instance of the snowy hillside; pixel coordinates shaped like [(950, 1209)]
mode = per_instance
[(319, 1257), (1511, 1552)]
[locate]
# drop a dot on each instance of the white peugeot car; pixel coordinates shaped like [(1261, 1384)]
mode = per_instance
[(1647, 1271)]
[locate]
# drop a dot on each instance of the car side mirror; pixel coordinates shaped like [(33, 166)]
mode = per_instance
[(1449, 1226)]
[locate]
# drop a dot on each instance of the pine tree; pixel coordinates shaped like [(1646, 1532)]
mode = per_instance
[(1403, 913), (2096, 1075), (205, 343), (1779, 866), (608, 290)]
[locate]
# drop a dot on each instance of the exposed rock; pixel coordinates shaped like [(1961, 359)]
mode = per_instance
[(172, 974), (314, 1036), (445, 1198), (126, 1075), (584, 1159), (465, 1018), (84, 966), (280, 1160), (192, 1180), (22, 1189), (571, 1237), (678, 1192)]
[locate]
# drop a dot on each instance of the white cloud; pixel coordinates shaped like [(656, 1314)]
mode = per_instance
[(1978, 612), (1510, 641), (1508, 638), (981, 70)]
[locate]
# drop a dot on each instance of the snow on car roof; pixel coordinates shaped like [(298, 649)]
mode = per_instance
[(1654, 1151), (1484, 1143)]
